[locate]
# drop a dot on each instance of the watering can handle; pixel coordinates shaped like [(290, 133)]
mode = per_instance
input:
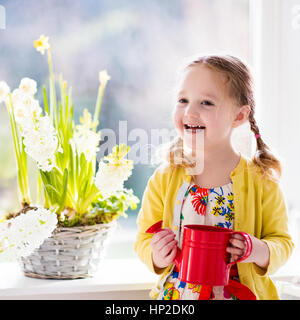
[(248, 249), (156, 227), (177, 260)]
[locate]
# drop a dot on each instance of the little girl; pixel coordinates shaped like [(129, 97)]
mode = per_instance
[(215, 96)]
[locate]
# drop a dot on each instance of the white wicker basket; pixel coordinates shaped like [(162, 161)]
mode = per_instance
[(70, 253)]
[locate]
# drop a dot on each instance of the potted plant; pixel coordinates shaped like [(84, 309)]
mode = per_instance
[(87, 199)]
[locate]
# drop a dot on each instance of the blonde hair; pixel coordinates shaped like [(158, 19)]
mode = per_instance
[(240, 85)]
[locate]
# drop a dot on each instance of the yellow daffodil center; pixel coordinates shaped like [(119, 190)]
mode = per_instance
[(41, 44)]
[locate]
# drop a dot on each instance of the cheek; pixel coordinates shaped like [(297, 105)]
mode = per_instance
[(177, 118), (221, 125), (218, 118)]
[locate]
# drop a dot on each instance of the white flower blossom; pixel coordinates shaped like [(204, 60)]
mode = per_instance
[(20, 236), (87, 143), (4, 91), (103, 77), (40, 139), (26, 109), (42, 44), (41, 143), (110, 177), (85, 139), (17, 96), (28, 87)]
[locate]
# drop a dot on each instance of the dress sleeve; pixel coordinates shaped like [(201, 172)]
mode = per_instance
[(152, 208), (275, 228)]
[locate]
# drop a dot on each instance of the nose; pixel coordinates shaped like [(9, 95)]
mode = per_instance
[(192, 110)]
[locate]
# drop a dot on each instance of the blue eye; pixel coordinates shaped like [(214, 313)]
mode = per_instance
[(204, 102), (207, 103), (183, 100)]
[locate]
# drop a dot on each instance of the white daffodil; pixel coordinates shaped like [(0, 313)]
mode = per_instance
[(28, 86), (4, 91), (103, 77), (42, 44)]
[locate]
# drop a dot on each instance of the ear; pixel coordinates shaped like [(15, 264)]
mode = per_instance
[(241, 115)]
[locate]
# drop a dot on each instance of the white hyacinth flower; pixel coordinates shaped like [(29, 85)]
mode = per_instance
[(4, 91), (87, 143), (41, 143), (85, 139), (20, 236), (110, 177), (26, 109), (40, 138), (28, 87)]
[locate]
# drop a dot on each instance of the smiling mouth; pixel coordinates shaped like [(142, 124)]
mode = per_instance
[(193, 128)]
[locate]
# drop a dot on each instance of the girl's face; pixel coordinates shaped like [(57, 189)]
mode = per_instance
[(203, 101)]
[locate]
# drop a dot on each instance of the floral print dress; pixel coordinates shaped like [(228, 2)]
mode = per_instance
[(204, 206)]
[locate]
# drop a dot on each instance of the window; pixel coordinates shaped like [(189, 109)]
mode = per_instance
[(275, 48), (140, 43)]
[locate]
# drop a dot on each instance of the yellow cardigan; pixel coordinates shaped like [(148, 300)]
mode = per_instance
[(260, 210)]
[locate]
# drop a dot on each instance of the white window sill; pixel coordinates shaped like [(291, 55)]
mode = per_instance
[(287, 278), (116, 279)]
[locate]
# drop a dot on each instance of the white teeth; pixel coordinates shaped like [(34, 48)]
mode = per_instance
[(194, 126)]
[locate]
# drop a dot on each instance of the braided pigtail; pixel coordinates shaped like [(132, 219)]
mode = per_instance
[(263, 156)]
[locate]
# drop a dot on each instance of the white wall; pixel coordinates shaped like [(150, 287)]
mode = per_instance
[(275, 29)]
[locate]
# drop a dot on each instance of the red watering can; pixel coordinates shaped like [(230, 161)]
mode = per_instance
[(203, 258)]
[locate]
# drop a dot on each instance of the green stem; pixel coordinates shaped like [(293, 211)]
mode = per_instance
[(96, 117), (45, 100), (98, 105), (21, 157), (53, 102), (24, 173), (39, 188)]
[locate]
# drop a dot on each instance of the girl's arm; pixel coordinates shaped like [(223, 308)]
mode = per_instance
[(274, 230), (260, 251), (151, 211), (274, 246)]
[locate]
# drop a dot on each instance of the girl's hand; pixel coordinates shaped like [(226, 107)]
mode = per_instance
[(164, 248), (260, 251)]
